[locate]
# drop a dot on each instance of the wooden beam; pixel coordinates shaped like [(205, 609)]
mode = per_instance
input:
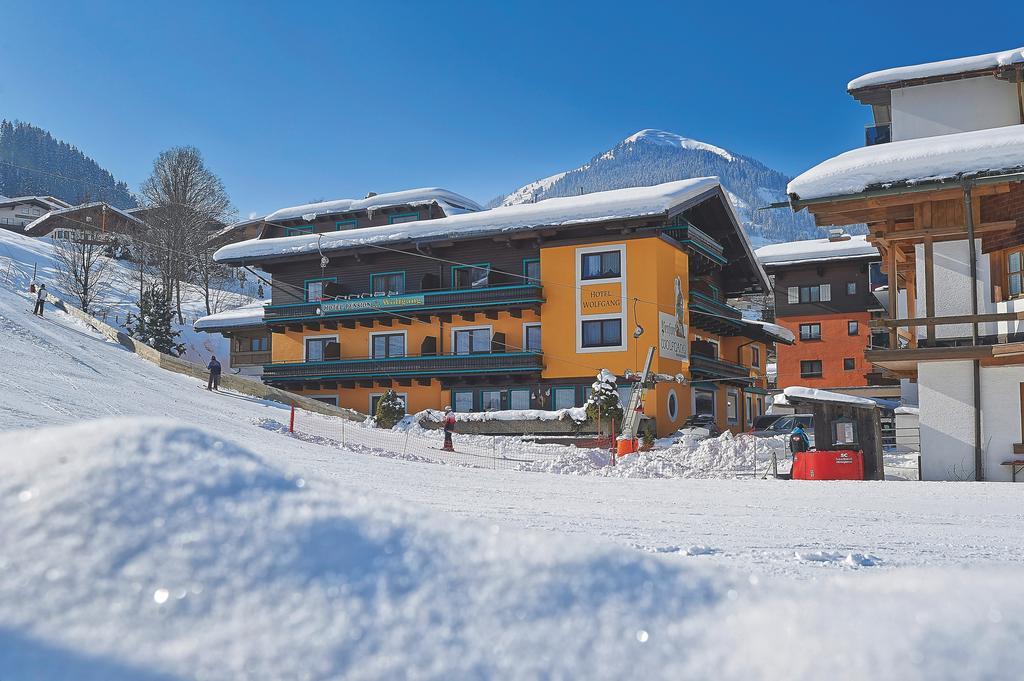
[(938, 233), (491, 314), (942, 321), (894, 294)]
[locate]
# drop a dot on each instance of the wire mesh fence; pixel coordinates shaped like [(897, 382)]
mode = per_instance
[(418, 444)]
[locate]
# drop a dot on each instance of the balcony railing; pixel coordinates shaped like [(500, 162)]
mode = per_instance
[(877, 134), (248, 358), (702, 367), (697, 242), (390, 367), (455, 300)]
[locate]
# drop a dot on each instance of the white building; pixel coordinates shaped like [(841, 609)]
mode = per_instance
[(941, 188), (16, 213)]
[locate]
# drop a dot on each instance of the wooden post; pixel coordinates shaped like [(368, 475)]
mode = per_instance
[(929, 286), (894, 294)]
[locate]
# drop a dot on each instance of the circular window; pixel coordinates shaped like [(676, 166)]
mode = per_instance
[(673, 405)]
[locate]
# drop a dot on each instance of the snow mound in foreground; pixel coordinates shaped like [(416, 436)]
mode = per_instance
[(726, 456), (142, 549)]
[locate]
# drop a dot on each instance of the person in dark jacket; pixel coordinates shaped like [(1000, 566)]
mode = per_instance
[(40, 300), (449, 428), (214, 367), (798, 440)]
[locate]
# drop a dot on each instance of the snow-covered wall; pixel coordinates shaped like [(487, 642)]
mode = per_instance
[(946, 391), (947, 420), (953, 287), (954, 106)]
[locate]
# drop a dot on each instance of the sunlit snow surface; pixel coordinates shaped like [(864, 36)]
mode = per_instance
[(210, 547)]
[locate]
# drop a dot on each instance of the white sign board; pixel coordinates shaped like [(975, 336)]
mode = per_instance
[(672, 338)]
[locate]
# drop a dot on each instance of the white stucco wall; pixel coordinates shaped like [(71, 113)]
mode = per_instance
[(946, 392), (955, 106), (953, 287)]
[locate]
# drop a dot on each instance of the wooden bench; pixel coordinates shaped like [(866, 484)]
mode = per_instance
[(1016, 466)]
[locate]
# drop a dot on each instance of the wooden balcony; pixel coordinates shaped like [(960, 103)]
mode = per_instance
[(425, 302), (421, 366), (249, 359), (704, 368)]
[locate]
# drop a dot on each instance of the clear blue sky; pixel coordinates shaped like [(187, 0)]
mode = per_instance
[(294, 101)]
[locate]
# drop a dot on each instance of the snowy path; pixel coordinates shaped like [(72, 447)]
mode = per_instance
[(724, 575)]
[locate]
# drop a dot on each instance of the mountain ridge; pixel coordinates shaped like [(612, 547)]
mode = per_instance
[(651, 156)]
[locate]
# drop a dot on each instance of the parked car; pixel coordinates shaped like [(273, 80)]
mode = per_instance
[(763, 422), (699, 427), (783, 425)]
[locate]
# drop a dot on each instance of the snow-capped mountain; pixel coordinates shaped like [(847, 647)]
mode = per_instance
[(654, 156)]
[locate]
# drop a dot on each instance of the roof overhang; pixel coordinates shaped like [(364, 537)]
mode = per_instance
[(98, 216)]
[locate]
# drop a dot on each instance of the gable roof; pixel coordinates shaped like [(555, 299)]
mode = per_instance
[(47, 202), (73, 218), (816, 250), (938, 69), (450, 202), (665, 199)]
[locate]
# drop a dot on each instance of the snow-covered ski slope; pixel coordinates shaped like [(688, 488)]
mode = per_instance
[(209, 546)]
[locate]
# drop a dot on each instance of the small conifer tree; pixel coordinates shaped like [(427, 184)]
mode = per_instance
[(603, 403), (390, 410), (154, 324)]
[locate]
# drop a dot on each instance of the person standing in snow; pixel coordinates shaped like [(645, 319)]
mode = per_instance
[(214, 367), (798, 440), (449, 428), (40, 300)]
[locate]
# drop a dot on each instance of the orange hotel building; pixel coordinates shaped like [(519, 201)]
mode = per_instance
[(515, 307)]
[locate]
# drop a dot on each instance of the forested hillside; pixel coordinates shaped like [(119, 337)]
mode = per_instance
[(33, 162)]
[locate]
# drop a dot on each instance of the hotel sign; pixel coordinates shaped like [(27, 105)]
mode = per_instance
[(601, 299), (372, 303)]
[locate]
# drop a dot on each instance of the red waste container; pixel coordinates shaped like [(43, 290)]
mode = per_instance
[(839, 464)]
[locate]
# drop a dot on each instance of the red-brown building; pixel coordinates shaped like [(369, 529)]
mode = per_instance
[(826, 292)]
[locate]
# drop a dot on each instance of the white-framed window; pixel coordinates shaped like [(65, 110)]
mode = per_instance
[(518, 398), (672, 404), (601, 265), (384, 344), (732, 406), (375, 398), (809, 294), (471, 340), (317, 288), (320, 348), (490, 400), (853, 327), (601, 333), (564, 398), (851, 288), (531, 337)]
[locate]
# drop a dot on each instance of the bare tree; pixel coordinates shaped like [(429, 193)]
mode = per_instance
[(83, 268), (186, 199)]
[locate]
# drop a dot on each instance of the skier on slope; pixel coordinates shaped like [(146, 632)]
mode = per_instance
[(214, 367), (40, 300), (449, 428)]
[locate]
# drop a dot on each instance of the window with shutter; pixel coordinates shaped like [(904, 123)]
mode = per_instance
[(826, 292), (794, 295)]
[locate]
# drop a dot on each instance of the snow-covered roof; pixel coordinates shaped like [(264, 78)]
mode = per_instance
[(450, 202), (816, 250), (779, 333), (49, 202), (816, 395), (913, 161), (947, 67), (571, 210), (62, 212), (246, 315)]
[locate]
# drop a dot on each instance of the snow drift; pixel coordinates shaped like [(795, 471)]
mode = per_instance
[(143, 549)]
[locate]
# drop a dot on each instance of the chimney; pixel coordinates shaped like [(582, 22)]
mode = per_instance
[(370, 195), (837, 234)]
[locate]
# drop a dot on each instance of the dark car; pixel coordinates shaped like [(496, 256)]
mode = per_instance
[(701, 426), (764, 422), (783, 425)]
